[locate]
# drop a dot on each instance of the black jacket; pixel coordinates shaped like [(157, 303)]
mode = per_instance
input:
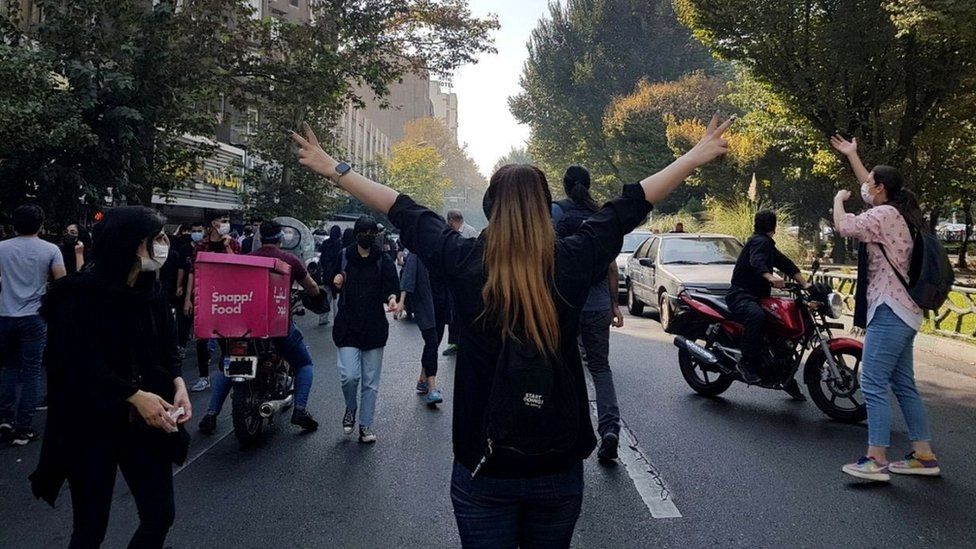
[(758, 257), (581, 261), (104, 343), (369, 282)]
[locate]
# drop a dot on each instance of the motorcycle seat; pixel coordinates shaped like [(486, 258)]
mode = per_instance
[(714, 301)]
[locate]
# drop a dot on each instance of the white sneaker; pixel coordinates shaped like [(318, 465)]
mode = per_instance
[(202, 384)]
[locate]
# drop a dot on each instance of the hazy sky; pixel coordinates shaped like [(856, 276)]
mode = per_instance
[(484, 121)]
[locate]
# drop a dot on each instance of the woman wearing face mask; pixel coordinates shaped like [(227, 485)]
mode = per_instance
[(114, 383), (885, 309), (217, 240), (75, 248), (367, 280), (517, 291)]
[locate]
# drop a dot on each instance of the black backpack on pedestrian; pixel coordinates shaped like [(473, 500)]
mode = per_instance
[(930, 275), (573, 216), (533, 409)]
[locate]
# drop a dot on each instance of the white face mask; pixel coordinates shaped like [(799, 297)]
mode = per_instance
[(160, 253), (865, 196), (223, 229)]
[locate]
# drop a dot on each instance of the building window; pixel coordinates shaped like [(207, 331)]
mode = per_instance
[(294, 3)]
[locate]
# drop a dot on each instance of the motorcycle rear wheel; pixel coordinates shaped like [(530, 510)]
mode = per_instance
[(828, 394), (704, 382), (248, 423)]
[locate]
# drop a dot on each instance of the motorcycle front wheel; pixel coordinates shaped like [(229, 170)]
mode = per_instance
[(841, 399), (704, 382), (248, 423)]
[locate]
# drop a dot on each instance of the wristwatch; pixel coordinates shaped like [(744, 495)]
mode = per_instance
[(342, 168)]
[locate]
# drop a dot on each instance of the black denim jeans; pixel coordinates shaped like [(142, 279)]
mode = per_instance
[(529, 513), (595, 349)]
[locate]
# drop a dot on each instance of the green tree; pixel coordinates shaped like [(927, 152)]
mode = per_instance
[(516, 155), (867, 68), (132, 77), (416, 170), (580, 58), (318, 67)]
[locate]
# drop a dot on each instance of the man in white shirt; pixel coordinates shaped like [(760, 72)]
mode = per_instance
[(456, 220), (26, 265)]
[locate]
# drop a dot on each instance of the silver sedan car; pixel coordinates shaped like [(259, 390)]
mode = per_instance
[(666, 264)]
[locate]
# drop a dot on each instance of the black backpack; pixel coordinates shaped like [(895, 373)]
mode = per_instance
[(533, 409), (930, 275), (573, 216)]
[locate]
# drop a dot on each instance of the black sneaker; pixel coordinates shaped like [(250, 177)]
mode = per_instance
[(348, 421), (42, 407), (792, 388), (608, 447), (451, 350), (303, 419), (366, 435), (208, 425), (6, 429), (23, 437)]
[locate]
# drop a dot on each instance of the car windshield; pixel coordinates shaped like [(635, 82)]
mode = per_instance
[(632, 241), (700, 251)]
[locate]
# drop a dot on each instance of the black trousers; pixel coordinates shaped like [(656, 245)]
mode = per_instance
[(147, 471), (432, 341), (745, 308)]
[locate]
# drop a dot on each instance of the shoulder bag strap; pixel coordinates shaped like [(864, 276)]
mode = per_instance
[(897, 272)]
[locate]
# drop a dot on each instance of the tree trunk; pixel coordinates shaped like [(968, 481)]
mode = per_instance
[(934, 218), (839, 254), (968, 235)]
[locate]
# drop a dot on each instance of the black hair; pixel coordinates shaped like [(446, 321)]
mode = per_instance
[(764, 222), (348, 237), (28, 219), (215, 214), (366, 224), (901, 198), (455, 215), (576, 183), (200, 224), (270, 232)]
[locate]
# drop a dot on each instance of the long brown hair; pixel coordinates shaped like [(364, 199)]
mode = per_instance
[(901, 197), (520, 257)]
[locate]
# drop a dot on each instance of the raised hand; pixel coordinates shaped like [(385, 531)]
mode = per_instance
[(311, 155), (843, 195), (712, 144), (844, 146)]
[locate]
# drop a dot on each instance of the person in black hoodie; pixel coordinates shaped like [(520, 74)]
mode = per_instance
[(116, 398), (366, 280), (329, 252), (518, 291)]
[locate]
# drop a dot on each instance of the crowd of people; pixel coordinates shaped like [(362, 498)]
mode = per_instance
[(526, 302)]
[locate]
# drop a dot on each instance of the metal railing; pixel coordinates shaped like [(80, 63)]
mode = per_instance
[(956, 318)]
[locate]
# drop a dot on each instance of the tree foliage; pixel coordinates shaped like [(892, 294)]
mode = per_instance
[(516, 155), (416, 170), (580, 58)]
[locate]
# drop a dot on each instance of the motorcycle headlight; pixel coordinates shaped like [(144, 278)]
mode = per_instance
[(835, 305)]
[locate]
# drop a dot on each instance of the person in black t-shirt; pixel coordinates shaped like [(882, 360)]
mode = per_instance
[(752, 279)]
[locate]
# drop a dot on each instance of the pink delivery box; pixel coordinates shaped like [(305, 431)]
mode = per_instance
[(240, 296)]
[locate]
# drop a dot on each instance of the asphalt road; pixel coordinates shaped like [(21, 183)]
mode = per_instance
[(750, 469)]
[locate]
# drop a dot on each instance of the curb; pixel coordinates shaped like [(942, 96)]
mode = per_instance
[(947, 348)]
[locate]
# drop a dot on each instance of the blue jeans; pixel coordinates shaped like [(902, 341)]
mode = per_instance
[(888, 361), (22, 341), (356, 365), (502, 513), (292, 348)]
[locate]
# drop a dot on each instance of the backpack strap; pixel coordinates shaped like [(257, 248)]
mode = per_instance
[(897, 272)]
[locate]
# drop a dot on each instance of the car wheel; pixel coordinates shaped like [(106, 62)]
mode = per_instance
[(664, 310), (634, 305)]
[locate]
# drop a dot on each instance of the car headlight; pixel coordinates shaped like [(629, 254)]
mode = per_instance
[(835, 304)]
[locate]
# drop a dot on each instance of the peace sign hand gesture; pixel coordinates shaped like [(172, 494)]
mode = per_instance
[(712, 144), (312, 156)]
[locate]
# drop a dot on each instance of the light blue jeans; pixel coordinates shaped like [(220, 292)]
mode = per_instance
[(355, 366), (888, 361)]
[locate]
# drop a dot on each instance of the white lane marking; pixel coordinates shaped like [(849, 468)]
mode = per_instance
[(204, 451), (645, 476)]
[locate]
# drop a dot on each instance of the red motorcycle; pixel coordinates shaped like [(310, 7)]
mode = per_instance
[(708, 341)]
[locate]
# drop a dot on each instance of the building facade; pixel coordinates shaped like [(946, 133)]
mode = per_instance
[(444, 103)]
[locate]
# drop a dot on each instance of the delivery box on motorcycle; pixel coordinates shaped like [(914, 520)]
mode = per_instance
[(240, 296)]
